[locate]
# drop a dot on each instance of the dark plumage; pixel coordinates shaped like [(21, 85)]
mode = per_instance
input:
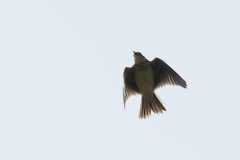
[(144, 77)]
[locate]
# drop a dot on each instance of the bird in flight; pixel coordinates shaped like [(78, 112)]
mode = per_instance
[(146, 76)]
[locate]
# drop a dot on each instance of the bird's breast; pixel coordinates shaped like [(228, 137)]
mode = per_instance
[(144, 80)]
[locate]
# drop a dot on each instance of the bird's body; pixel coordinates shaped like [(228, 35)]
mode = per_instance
[(144, 77)]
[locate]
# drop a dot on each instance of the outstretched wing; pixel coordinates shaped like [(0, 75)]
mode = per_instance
[(165, 75), (130, 88)]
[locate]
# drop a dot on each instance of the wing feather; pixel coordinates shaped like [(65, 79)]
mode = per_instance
[(165, 75), (129, 88)]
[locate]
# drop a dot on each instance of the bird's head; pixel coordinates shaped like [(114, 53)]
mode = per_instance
[(138, 57)]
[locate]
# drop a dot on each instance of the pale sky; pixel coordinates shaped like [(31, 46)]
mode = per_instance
[(61, 67)]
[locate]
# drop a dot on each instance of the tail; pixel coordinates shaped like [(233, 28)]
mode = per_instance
[(155, 105)]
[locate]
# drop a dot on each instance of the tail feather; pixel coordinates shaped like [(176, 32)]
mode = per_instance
[(155, 105)]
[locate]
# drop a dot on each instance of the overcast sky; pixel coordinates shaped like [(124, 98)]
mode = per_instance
[(61, 68)]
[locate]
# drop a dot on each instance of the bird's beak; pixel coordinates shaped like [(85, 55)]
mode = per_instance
[(134, 53)]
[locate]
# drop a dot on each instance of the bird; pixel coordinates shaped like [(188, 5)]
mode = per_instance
[(143, 78)]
